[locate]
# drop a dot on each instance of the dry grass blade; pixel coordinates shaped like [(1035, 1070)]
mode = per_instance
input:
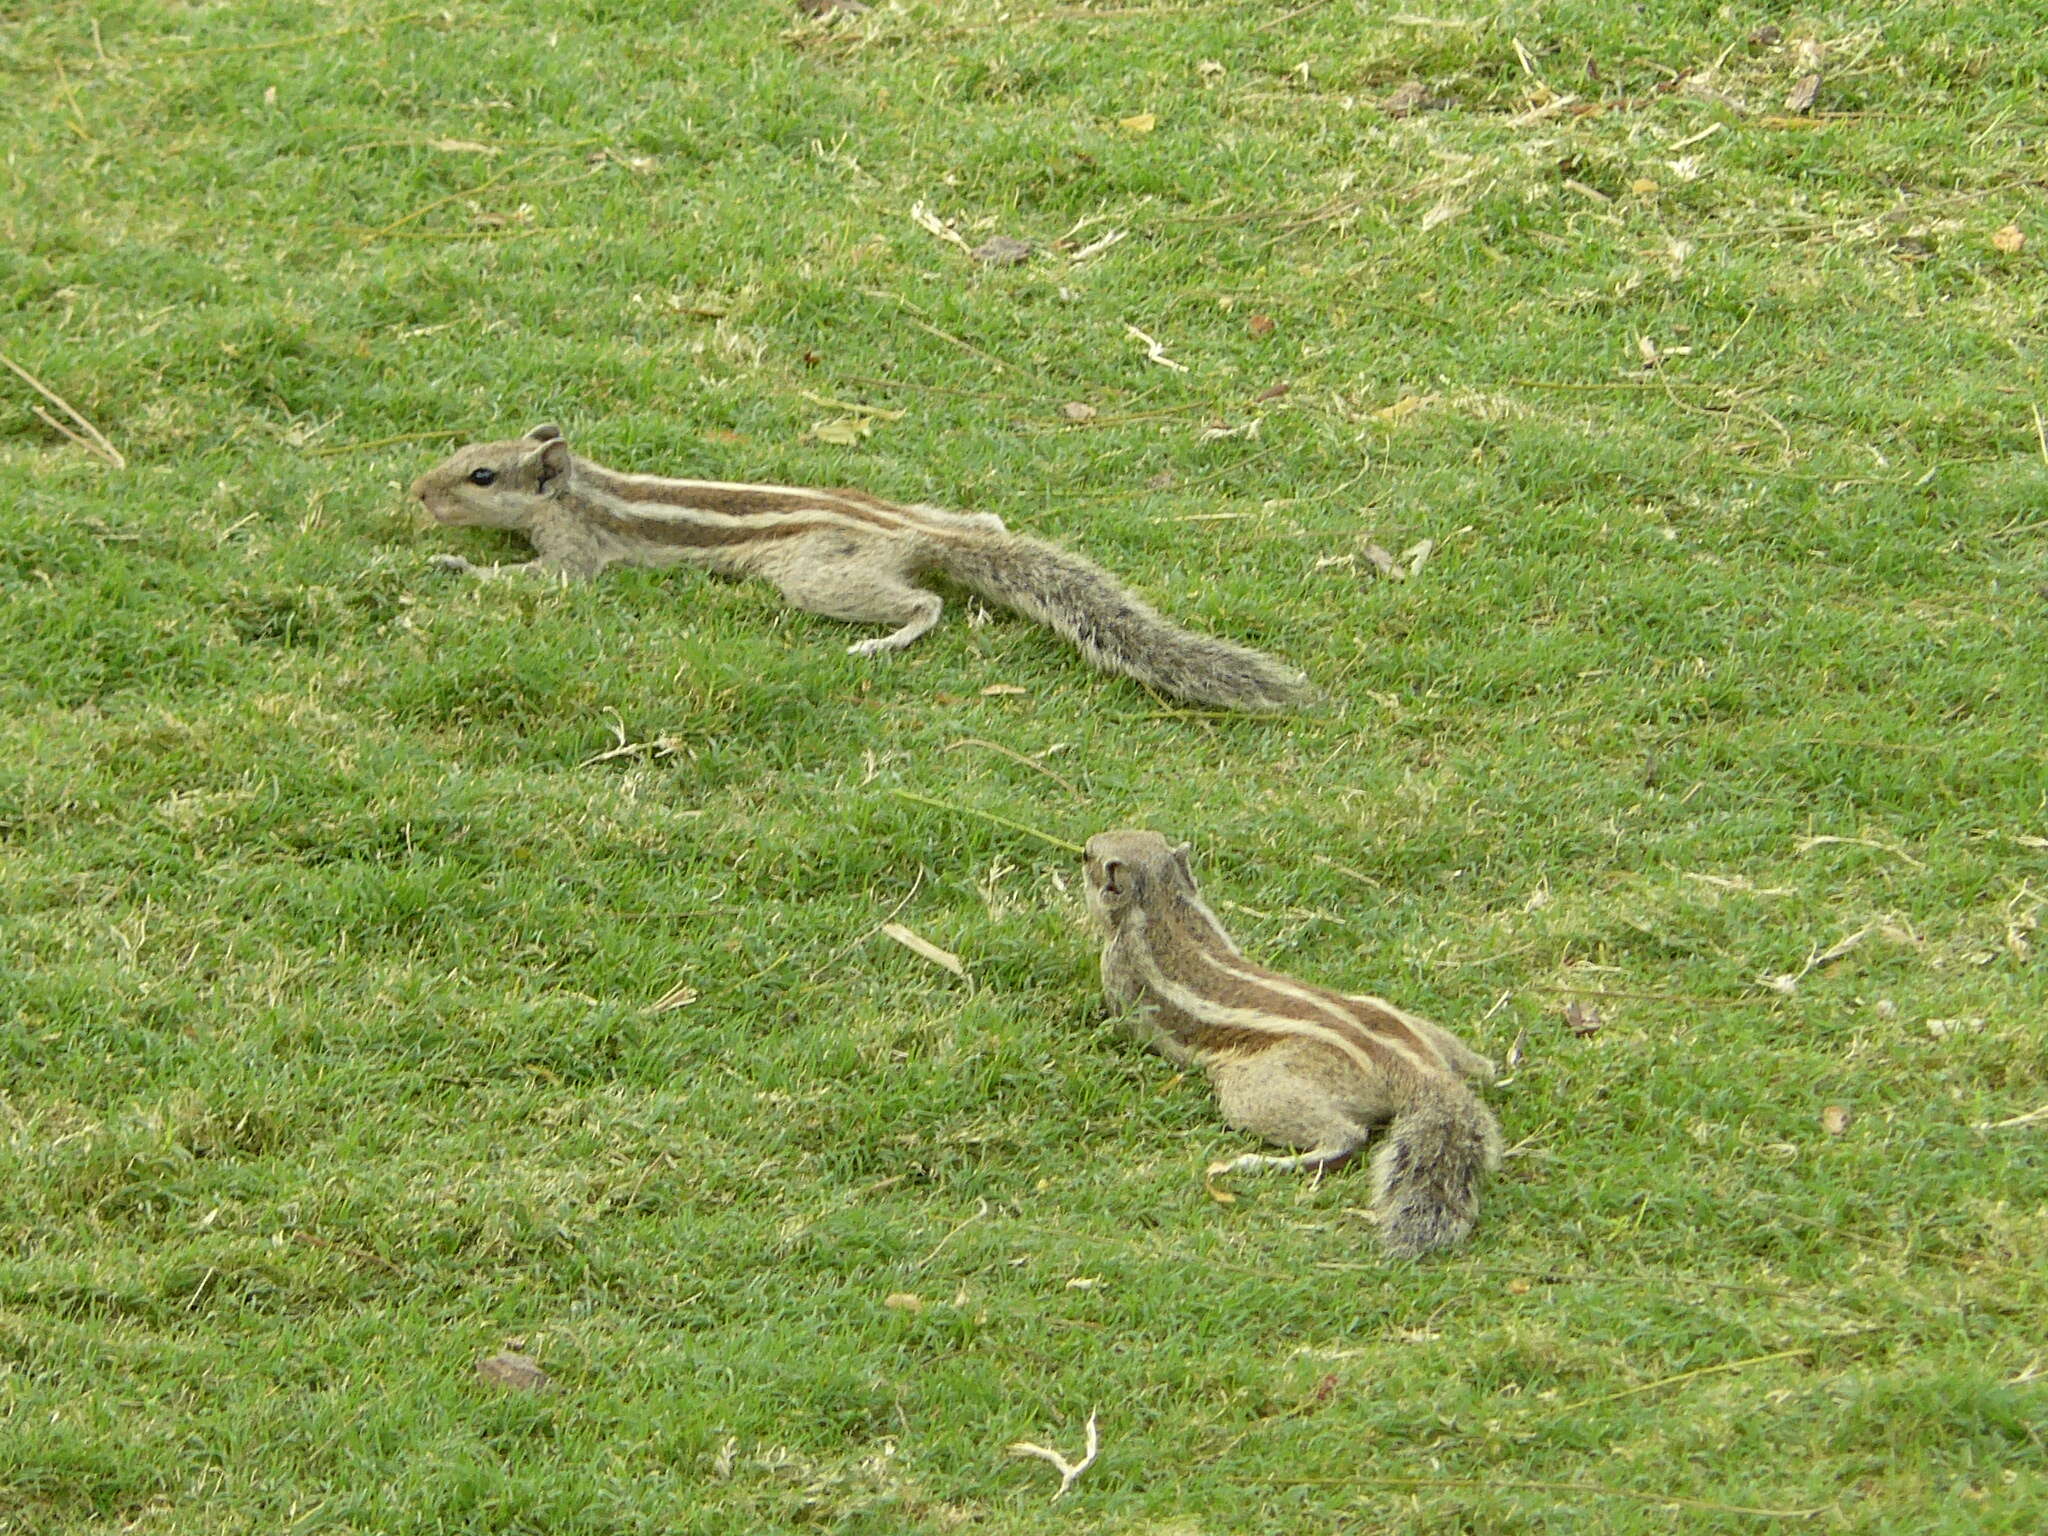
[(918, 944), (455, 197), (681, 995), (92, 439), (1807, 843), (1001, 821), (332, 450), (1835, 951), (1017, 757), (1672, 1381), (2031, 1117), (937, 227)]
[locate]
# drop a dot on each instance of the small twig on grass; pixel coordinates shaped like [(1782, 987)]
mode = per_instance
[(2031, 1117), (904, 307), (2040, 431), (441, 202), (981, 1210), (282, 42), (93, 438), (1155, 351), (1669, 1381), (332, 449), (355, 1253), (1070, 1471), (936, 389), (1017, 757), (1188, 485), (1286, 16), (830, 404), (71, 101), (1001, 821), (1601, 1490), (1654, 997)]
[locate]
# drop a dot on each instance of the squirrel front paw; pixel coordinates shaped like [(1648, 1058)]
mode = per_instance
[(455, 565)]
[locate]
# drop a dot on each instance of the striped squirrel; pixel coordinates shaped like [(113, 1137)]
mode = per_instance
[(1296, 1064), (841, 554)]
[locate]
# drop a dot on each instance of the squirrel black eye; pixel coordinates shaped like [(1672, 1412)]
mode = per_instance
[(482, 476)]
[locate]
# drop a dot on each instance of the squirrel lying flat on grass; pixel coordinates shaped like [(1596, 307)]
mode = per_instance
[(841, 554), (1294, 1063)]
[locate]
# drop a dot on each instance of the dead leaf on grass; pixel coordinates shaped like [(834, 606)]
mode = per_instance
[(1260, 325), (1385, 563), (917, 944), (1004, 690), (1835, 1119), (513, 1372), (1408, 99), (1943, 1029), (1142, 122), (1582, 1019), (1405, 407), (2009, 241), (841, 431), (1002, 251), (1075, 410), (1803, 93), (1416, 555), (903, 1301)]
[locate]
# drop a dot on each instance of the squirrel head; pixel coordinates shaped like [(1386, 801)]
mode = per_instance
[(1131, 869), (498, 485)]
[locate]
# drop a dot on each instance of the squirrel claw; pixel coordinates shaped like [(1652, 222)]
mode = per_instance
[(454, 564), (1220, 1196)]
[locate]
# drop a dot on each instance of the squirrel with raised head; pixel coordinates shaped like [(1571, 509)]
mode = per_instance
[(841, 554), (1294, 1063)]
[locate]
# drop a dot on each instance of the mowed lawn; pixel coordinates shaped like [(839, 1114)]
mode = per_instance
[(1631, 417)]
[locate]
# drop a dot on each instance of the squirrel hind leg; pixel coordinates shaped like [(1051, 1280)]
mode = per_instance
[(1284, 1100), (860, 586), (930, 606)]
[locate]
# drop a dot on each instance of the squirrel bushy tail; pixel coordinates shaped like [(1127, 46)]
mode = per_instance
[(1425, 1176), (1113, 629)]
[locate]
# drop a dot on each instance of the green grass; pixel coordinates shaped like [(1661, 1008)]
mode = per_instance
[(329, 942)]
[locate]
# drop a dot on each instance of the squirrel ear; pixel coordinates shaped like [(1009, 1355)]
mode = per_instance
[(546, 432), (1111, 870), (1180, 857), (553, 461)]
